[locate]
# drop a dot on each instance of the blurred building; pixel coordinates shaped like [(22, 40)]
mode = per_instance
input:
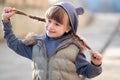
[(104, 5), (95, 5), (37, 3)]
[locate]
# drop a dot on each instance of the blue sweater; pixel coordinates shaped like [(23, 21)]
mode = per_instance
[(84, 68)]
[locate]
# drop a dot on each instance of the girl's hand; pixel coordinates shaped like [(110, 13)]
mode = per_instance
[(7, 13), (96, 57)]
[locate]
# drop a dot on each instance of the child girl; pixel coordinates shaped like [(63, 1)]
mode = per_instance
[(57, 54)]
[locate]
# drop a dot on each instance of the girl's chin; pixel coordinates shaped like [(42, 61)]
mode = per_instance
[(50, 35)]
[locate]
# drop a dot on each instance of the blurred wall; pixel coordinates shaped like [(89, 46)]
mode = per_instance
[(23, 25), (36, 3)]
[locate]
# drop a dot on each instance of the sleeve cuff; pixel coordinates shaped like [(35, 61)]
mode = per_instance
[(96, 65), (6, 25)]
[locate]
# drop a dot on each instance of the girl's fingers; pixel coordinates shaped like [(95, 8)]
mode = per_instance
[(96, 57), (9, 9), (7, 13), (95, 54)]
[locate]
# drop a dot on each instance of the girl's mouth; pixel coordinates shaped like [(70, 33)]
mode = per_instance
[(51, 31)]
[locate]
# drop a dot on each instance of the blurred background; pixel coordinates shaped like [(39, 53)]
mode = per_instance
[(99, 25)]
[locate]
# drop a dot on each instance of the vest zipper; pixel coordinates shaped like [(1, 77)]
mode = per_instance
[(45, 54), (47, 59)]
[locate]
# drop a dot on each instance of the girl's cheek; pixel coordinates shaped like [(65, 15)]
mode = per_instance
[(46, 25)]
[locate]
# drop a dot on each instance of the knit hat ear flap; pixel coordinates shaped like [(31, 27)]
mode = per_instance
[(79, 11)]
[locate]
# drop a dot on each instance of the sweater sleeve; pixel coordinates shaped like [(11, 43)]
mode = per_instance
[(86, 68), (14, 43)]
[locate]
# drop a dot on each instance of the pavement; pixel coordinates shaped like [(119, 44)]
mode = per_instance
[(97, 35), (111, 61), (13, 66)]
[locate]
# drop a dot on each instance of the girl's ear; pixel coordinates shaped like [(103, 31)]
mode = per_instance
[(68, 29)]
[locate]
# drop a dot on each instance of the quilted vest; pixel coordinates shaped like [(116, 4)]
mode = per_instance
[(60, 66)]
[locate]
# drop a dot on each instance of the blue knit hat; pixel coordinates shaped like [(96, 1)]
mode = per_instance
[(72, 13)]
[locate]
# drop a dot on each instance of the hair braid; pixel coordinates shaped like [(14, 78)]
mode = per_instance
[(82, 44)]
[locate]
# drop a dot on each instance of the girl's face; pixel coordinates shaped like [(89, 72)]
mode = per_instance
[(57, 22), (55, 29)]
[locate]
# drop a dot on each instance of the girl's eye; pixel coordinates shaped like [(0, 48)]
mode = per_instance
[(49, 21), (56, 24)]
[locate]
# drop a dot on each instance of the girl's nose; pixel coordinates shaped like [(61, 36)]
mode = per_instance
[(50, 26)]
